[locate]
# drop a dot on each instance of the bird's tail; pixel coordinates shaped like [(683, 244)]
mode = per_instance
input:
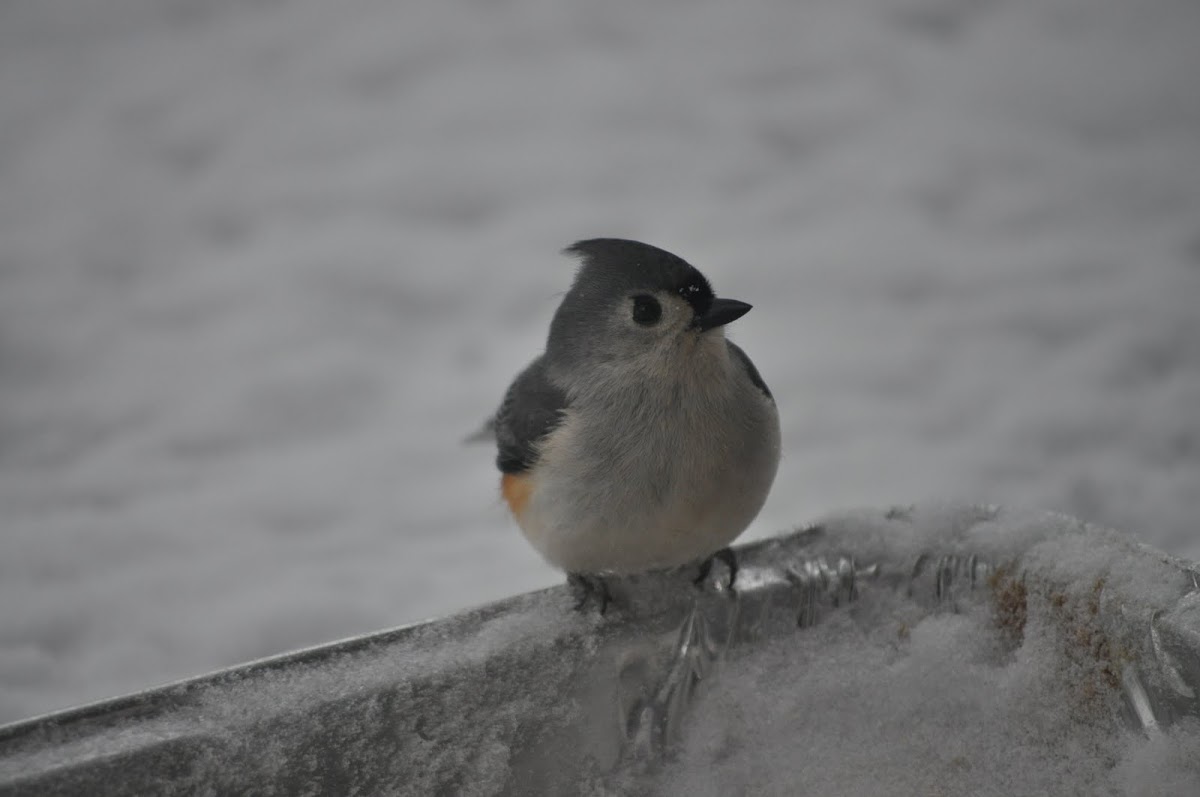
[(484, 434)]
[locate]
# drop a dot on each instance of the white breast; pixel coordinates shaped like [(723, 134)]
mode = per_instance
[(653, 477)]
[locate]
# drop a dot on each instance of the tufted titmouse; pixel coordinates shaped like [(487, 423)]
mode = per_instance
[(642, 438)]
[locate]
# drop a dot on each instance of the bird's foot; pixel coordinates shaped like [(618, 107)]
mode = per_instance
[(725, 555), (589, 588)]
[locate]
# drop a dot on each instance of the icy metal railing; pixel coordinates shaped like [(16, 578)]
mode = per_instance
[(530, 697)]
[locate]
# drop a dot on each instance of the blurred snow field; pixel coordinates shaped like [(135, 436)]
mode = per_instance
[(263, 265)]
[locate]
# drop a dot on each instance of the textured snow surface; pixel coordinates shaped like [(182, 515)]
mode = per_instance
[(263, 265), (981, 652), (1018, 691), (941, 708)]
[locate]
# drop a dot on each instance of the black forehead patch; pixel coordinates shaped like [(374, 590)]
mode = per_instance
[(616, 266), (698, 294)]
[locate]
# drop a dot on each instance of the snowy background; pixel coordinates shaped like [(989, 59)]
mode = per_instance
[(263, 265)]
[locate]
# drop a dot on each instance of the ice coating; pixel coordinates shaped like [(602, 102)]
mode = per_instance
[(1027, 685), (917, 650)]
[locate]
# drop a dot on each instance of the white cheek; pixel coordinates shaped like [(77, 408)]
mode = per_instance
[(679, 314)]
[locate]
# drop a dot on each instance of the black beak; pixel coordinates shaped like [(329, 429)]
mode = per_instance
[(721, 313)]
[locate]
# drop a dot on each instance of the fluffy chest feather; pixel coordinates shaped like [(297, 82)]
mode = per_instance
[(655, 474)]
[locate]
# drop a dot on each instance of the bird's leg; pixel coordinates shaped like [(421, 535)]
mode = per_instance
[(727, 556), (587, 588)]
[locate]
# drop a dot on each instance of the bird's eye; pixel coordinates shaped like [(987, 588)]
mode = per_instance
[(646, 310)]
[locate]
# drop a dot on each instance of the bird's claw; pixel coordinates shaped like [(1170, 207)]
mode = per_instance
[(727, 556), (586, 588)]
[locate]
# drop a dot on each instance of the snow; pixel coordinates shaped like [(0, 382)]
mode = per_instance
[(978, 651), (886, 697), (938, 708), (264, 265), (980, 696)]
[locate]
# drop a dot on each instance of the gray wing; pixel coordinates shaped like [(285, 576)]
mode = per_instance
[(531, 409), (751, 371)]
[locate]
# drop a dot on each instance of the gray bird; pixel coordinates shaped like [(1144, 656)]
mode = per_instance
[(642, 438)]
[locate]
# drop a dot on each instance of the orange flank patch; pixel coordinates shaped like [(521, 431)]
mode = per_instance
[(516, 489)]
